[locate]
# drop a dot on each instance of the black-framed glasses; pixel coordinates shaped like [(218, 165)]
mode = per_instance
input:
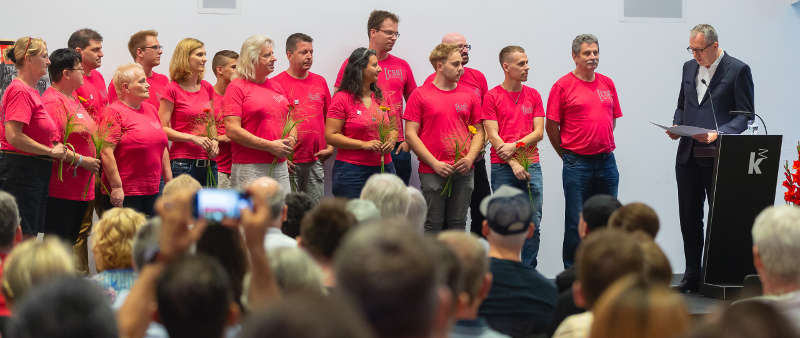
[(154, 47), (698, 50), (390, 33)]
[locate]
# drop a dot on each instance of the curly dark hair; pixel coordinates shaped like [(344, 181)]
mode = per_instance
[(297, 205), (353, 78)]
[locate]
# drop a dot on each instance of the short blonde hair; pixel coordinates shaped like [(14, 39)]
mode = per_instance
[(126, 74), (179, 68), (441, 52), (112, 238), (248, 56), (184, 182), (34, 262), (23, 47)]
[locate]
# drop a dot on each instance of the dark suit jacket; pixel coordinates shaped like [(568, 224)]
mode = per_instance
[(731, 88)]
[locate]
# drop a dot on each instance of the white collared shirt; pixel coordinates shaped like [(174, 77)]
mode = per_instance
[(707, 74)]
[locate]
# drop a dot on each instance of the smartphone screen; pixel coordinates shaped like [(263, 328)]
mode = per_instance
[(216, 204)]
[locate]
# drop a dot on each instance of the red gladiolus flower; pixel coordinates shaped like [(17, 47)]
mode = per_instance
[(521, 145)]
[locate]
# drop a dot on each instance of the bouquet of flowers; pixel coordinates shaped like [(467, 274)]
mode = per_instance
[(386, 124), (67, 118), (522, 156), (208, 128), (290, 122), (99, 138), (792, 182), (460, 142)]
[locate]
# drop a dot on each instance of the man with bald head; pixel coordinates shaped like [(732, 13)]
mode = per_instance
[(276, 199), (475, 81)]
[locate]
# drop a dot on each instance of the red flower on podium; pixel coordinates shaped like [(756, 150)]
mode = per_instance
[(792, 182)]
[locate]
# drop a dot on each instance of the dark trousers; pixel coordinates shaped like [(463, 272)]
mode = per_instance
[(349, 179), (694, 186), (141, 203), (402, 164), (194, 169), (64, 217), (481, 190), (27, 178)]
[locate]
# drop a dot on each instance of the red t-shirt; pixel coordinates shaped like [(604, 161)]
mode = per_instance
[(263, 109), (4, 310), (22, 103), (514, 113), (224, 157), (472, 78), (158, 88), (444, 117), (72, 188), (92, 94), (140, 142), (396, 81), (360, 123), (585, 112), (311, 99), (188, 117)]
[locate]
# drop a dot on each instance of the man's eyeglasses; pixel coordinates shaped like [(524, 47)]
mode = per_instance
[(390, 33), (697, 50), (154, 47), (468, 47)]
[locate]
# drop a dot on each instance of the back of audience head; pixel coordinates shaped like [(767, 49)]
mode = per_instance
[(656, 268), (475, 277), (389, 194), (66, 307), (295, 271), (632, 307), (276, 198), (297, 205), (145, 241), (113, 236), (364, 211), (32, 263), (595, 213), (184, 182), (776, 246), (635, 216), (194, 298), (603, 257), (417, 209), (324, 227), (226, 245), (747, 319), (448, 268), (383, 270), (309, 316), (508, 218), (10, 230)]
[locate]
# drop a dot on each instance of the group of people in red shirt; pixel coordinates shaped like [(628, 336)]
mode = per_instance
[(145, 128)]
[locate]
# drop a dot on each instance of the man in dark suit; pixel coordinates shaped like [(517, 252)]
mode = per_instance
[(713, 84)]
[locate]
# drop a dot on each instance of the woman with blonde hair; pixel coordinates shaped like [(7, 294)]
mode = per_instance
[(188, 116), (29, 139), (136, 159), (255, 111), (33, 263), (633, 308), (112, 247)]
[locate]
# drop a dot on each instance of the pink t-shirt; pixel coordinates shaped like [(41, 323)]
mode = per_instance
[(224, 157), (93, 95), (514, 113), (472, 78), (585, 112), (22, 103), (311, 99), (72, 188), (263, 109), (188, 117), (140, 142), (396, 81), (444, 117), (158, 88), (360, 123)]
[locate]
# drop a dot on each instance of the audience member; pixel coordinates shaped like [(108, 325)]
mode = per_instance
[(10, 235), (184, 182), (521, 300), (276, 197), (635, 216), (295, 271), (112, 247), (33, 263), (322, 231), (226, 245), (389, 194), (417, 209), (364, 211), (297, 205), (747, 320)]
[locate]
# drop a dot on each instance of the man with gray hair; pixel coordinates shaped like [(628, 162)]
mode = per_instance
[(776, 246), (713, 84), (388, 192), (276, 198), (582, 111)]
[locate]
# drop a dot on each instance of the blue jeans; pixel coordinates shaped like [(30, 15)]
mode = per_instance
[(349, 179), (583, 177), (189, 166), (402, 163), (503, 175)]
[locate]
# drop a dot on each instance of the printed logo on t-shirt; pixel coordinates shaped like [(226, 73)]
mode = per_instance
[(393, 74), (461, 107), (317, 97), (604, 95), (527, 109)]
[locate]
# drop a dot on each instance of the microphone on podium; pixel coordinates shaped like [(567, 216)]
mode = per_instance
[(711, 98)]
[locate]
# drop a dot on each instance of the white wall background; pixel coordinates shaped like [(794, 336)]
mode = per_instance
[(643, 58)]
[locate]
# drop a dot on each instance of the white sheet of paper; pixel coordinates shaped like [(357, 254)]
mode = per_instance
[(684, 130)]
